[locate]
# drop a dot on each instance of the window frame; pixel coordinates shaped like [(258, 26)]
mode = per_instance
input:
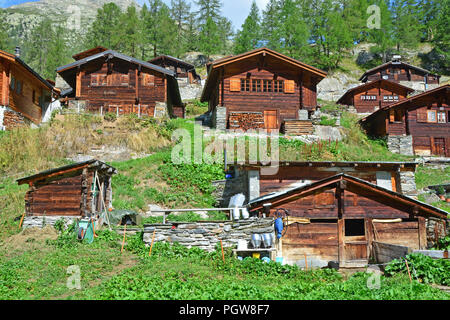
[(435, 116)]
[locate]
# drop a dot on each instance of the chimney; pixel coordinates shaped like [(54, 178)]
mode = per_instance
[(17, 52), (396, 58)]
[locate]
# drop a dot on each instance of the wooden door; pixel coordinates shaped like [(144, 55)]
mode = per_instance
[(353, 243), (439, 146), (270, 120)]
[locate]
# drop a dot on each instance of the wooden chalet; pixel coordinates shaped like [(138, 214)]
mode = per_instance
[(108, 81), (260, 89), (398, 71), (374, 95), (24, 94), (424, 117), (81, 189), (339, 219), (182, 69), (395, 176)]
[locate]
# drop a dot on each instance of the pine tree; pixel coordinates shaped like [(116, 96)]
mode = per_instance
[(249, 37), (407, 30), (130, 32), (180, 13), (159, 29), (4, 37), (383, 37), (442, 37), (271, 25), (215, 30), (104, 31)]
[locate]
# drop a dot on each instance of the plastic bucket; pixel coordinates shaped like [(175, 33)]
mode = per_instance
[(256, 255)]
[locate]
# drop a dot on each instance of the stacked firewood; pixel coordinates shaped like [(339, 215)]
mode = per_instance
[(247, 120)]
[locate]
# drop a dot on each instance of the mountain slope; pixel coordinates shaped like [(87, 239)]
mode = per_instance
[(24, 17)]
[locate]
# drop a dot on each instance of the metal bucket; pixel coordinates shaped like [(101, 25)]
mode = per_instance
[(256, 240), (267, 239)]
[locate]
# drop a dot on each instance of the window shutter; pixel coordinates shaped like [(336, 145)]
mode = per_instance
[(289, 86), (391, 115), (422, 115), (235, 85)]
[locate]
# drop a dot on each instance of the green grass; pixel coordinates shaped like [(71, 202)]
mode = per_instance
[(426, 176), (174, 272)]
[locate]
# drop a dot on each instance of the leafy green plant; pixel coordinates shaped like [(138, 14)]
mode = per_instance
[(423, 268)]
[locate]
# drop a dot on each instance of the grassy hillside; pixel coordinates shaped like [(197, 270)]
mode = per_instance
[(33, 263)]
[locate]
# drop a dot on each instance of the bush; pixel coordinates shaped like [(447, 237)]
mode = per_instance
[(111, 117)]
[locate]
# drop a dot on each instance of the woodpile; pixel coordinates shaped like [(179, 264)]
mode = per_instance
[(246, 120), (298, 127)]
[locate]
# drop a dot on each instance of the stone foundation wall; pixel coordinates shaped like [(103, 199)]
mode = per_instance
[(436, 229), (41, 221), (206, 235), (401, 145), (219, 119), (408, 183)]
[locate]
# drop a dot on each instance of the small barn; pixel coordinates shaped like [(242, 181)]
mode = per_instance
[(417, 125), (182, 69), (76, 190), (371, 96), (260, 89), (402, 72), (103, 81), (259, 179), (339, 219), (25, 97)]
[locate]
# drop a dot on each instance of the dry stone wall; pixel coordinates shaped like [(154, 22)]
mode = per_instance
[(206, 235)]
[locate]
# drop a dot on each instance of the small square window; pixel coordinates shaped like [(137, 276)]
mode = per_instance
[(355, 227)]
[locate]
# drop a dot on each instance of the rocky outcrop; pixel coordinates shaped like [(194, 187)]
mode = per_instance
[(334, 86)]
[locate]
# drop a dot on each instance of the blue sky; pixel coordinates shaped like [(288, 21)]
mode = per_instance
[(235, 10)]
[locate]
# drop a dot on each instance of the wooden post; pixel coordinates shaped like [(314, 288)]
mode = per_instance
[(21, 221), (223, 255), (153, 240), (422, 233), (409, 273), (124, 237), (306, 263)]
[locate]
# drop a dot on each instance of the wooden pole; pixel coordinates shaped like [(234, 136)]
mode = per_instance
[(409, 273), (124, 236), (21, 221), (306, 263), (151, 246), (223, 255)]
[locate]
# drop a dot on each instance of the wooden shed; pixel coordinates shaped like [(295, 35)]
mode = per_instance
[(260, 89), (371, 96), (398, 71), (81, 189), (108, 81), (424, 117), (24, 94), (182, 69), (339, 218)]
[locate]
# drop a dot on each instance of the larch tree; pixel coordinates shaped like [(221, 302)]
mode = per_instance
[(5, 41), (104, 31), (249, 37), (271, 25), (180, 12)]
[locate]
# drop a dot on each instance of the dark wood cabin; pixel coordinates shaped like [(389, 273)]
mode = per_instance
[(374, 95), (338, 219), (182, 69), (81, 189), (395, 176), (260, 89), (425, 117), (398, 71), (24, 94), (108, 81)]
